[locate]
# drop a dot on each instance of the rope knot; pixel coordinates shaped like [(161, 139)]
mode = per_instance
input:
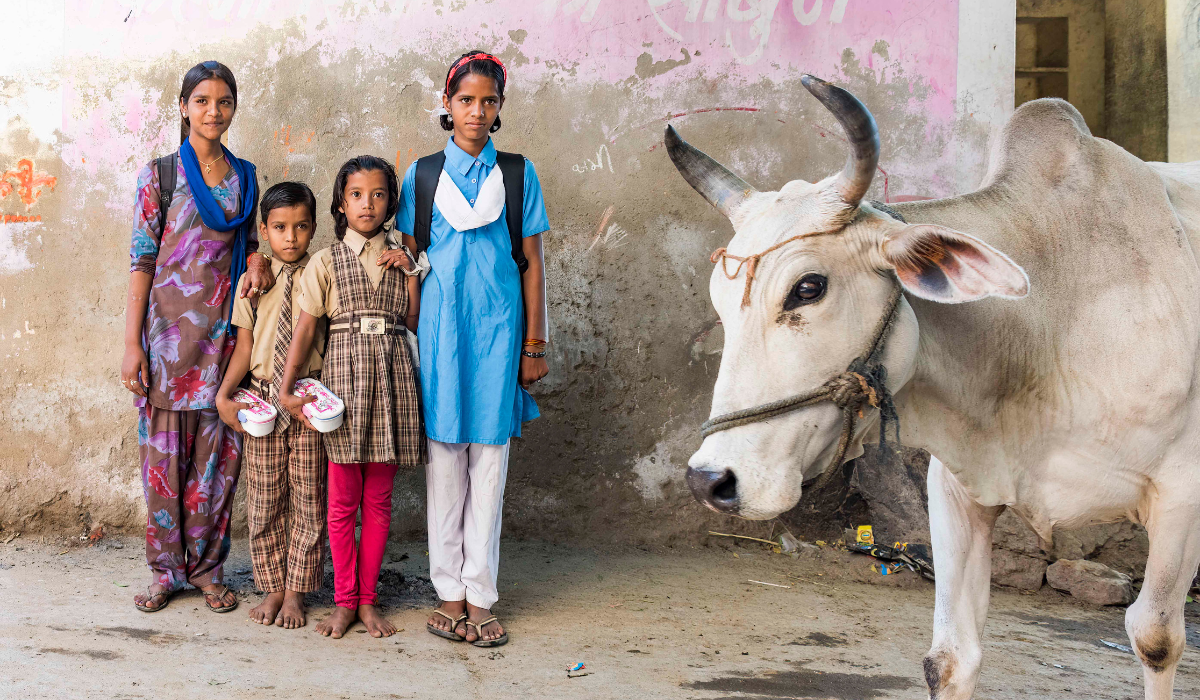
[(850, 390)]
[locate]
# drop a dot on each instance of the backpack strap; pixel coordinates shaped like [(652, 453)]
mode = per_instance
[(429, 169), (512, 167), (167, 170)]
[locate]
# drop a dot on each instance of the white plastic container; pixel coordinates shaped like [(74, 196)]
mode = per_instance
[(259, 419), (327, 412)]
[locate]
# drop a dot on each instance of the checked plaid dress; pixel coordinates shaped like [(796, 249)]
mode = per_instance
[(372, 373)]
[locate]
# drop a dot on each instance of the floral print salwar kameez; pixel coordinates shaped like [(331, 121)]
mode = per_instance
[(190, 458)]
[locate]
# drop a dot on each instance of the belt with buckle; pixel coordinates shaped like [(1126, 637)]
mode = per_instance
[(368, 325), (265, 388)]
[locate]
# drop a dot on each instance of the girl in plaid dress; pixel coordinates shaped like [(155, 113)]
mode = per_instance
[(369, 367)]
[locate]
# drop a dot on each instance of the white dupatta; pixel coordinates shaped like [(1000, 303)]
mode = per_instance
[(459, 213)]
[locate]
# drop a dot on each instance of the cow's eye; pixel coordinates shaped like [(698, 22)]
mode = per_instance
[(808, 289)]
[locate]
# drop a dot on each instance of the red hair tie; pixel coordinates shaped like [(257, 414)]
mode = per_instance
[(474, 57)]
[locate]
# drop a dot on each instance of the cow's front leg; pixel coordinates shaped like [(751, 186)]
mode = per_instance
[(1155, 620), (962, 558)]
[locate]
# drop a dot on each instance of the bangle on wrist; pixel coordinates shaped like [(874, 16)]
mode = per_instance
[(534, 355)]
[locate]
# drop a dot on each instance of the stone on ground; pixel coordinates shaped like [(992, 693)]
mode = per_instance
[(1017, 570), (1090, 581)]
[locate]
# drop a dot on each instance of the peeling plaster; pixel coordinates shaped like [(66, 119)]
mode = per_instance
[(14, 242), (653, 472)]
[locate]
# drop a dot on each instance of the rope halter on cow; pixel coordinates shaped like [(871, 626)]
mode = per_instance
[(750, 262), (864, 383)]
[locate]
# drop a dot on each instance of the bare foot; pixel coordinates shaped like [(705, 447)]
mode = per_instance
[(490, 631), (377, 624), (291, 615), (154, 599), (266, 611), (453, 608), (336, 624)]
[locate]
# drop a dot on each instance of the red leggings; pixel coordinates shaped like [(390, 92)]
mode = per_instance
[(356, 567)]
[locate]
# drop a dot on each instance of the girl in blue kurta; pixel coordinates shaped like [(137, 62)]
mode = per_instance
[(482, 337)]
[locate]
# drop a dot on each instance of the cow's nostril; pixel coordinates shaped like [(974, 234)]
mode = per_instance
[(715, 489), (726, 488)]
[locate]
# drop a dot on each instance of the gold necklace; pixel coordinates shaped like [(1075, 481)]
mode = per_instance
[(208, 166)]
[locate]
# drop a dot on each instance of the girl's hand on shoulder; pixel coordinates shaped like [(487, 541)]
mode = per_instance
[(295, 405), (532, 370), (135, 370), (228, 410), (396, 258)]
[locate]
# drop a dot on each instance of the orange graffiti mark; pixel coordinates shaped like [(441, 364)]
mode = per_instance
[(18, 219), (29, 183), (407, 161), (283, 137)]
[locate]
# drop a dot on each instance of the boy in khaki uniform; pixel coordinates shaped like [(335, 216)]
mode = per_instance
[(287, 468)]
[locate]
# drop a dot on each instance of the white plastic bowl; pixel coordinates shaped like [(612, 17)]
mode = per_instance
[(327, 412), (259, 419)]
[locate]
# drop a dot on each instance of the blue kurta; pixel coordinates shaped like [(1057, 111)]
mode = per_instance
[(472, 315)]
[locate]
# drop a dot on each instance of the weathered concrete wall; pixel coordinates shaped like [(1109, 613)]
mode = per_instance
[(1135, 80), (1183, 79), (90, 97)]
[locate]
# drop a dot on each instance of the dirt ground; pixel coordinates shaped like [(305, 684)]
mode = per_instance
[(680, 623)]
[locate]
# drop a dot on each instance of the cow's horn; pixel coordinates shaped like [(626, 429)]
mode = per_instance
[(713, 181), (861, 132)]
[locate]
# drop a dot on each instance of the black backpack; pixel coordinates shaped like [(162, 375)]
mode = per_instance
[(167, 166), (512, 167)]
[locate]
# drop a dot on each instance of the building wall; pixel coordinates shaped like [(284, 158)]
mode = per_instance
[(89, 95), (1183, 79), (1135, 86), (1085, 53), (1116, 72)]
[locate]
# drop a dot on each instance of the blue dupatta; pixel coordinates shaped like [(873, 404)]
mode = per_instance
[(211, 212)]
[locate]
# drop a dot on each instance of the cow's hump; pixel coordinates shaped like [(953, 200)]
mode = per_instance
[(1045, 139)]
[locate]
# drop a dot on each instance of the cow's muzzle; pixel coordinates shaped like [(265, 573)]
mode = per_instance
[(715, 489)]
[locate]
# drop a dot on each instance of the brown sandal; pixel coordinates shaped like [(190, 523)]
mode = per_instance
[(164, 594), (219, 596), (480, 641), (451, 634)]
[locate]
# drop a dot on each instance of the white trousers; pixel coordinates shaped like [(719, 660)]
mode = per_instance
[(465, 485)]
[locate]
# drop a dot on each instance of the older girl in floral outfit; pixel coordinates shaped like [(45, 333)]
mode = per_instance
[(177, 343)]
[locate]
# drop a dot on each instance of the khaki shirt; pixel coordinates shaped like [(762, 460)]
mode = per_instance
[(320, 297), (262, 355)]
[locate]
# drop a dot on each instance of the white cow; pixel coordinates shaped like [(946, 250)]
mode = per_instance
[(1076, 404)]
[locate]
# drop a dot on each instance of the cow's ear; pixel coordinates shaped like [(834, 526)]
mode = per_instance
[(948, 266)]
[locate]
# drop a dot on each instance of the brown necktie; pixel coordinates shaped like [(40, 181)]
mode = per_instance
[(283, 339)]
